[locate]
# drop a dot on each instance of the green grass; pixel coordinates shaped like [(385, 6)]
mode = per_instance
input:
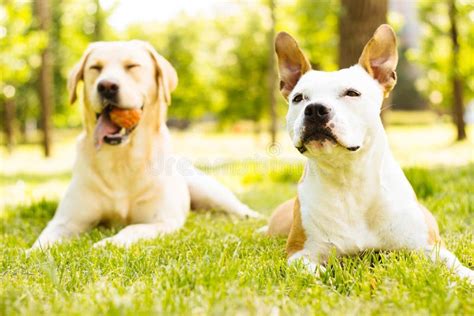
[(216, 265)]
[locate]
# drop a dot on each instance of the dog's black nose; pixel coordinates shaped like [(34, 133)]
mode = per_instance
[(108, 89), (317, 112)]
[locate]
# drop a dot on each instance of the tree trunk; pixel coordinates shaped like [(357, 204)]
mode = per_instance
[(357, 23), (9, 123), (46, 82), (272, 76), (98, 23), (456, 79)]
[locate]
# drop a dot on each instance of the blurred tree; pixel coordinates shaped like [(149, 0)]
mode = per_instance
[(9, 119), (357, 22), (20, 45), (99, 21), (446, 56), (72, 26), (46, 83), (244, 76), (456, 79), (272, 75)]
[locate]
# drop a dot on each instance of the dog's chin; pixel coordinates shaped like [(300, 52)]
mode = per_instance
[(317, 146), (324, 141)]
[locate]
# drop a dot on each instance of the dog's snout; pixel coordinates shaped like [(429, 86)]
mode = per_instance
[(317, 112), (108, 89)]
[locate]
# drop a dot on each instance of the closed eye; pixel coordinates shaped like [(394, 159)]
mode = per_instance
[(351, 93), (96, 67), (297, 98), (131, 66)]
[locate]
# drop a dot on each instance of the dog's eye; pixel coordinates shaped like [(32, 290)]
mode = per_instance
[(131, 66), (96, 67), (297, 98), (351, 93)]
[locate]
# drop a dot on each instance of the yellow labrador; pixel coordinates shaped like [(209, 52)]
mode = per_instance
[(129, 174)]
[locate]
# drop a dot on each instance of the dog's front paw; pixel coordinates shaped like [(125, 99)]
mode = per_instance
[(466, 274), (301, 258), (114, 240)]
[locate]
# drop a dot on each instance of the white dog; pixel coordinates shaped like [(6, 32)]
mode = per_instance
[(353, 195), (128, 174)]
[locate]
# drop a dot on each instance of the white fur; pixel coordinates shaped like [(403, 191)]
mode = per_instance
[(355, 200)]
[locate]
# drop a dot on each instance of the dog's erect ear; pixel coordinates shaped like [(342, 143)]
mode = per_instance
[(380, 57), (77, 73), (167, 76), (292, 64)]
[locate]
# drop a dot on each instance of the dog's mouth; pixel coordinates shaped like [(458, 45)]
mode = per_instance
[(321, 135), (106, 131)]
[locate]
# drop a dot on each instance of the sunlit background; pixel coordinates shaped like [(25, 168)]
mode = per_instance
[(223, 53)]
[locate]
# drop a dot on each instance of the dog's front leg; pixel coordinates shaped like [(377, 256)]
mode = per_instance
[(155, 217), (57, 231), (133, 233), (77, 212)]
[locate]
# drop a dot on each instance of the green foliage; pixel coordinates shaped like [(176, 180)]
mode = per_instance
[(435, 53), (20, 49), (222, 61), (244, 72), (21, 45), (315, 24)]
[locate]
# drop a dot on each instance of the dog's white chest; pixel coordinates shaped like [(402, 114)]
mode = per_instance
[(327, 230), (336, 219)]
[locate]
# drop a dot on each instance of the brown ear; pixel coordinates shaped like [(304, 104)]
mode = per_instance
[(167, 76), (380, 57), (77, 74), (292, 64)]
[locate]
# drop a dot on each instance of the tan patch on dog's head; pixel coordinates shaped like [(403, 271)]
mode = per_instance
[(380, 57), (292, 63)]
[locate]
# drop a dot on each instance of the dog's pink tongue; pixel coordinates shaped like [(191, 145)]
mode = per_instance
[(103, 128)]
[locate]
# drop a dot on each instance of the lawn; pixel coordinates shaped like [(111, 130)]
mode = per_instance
[(217, 265)]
